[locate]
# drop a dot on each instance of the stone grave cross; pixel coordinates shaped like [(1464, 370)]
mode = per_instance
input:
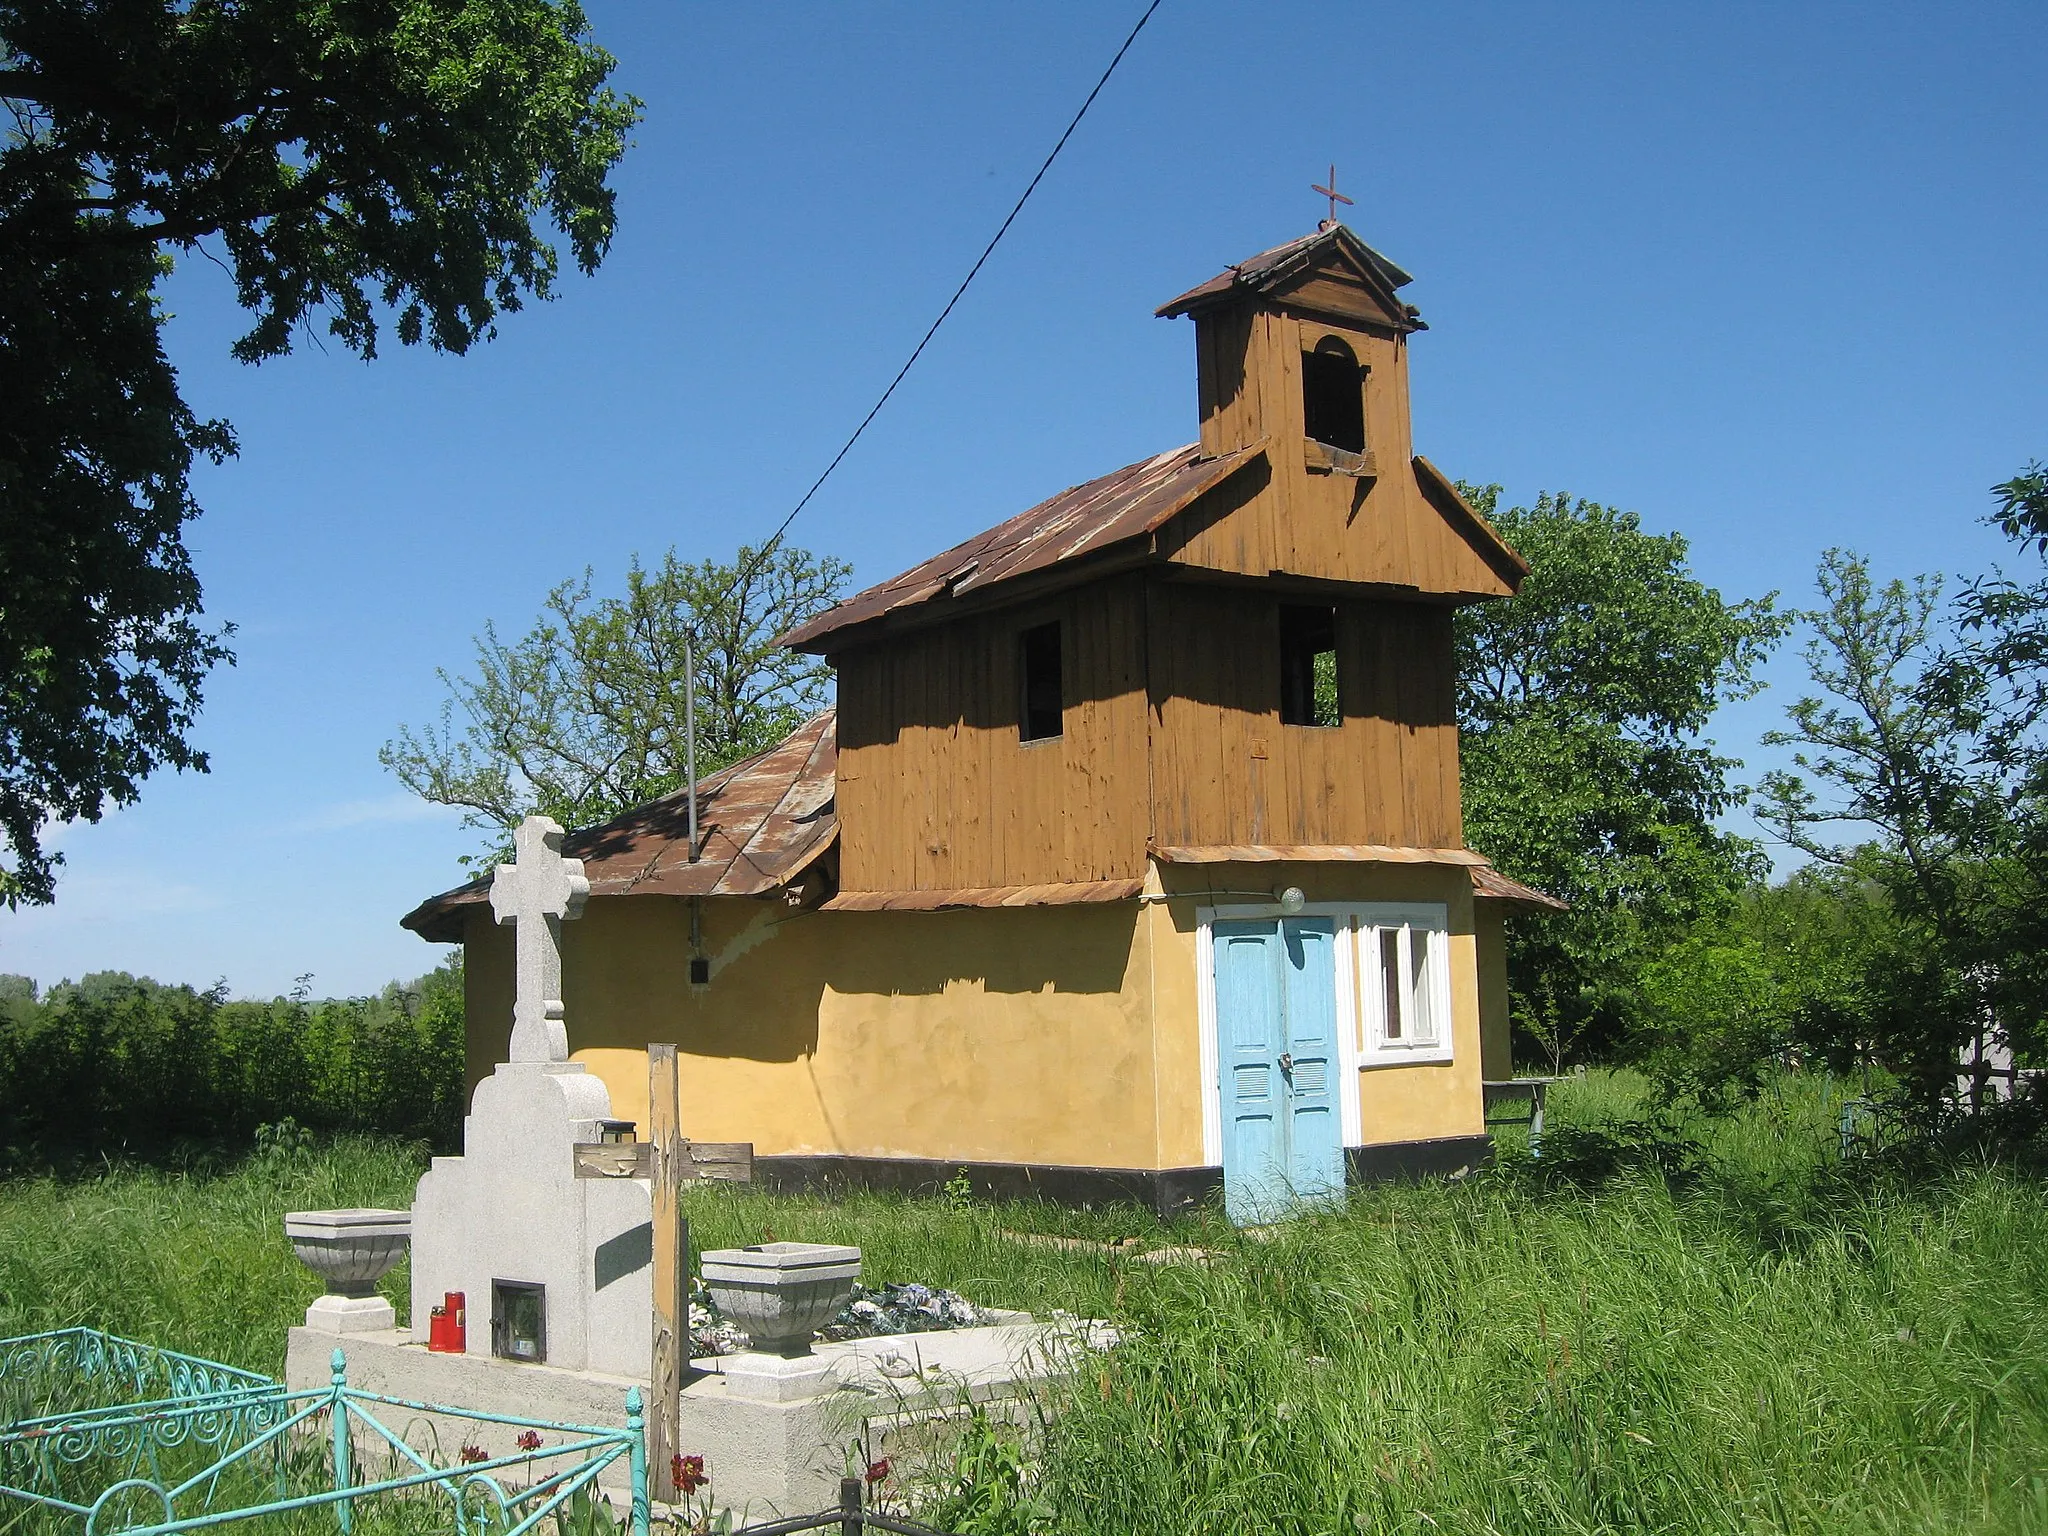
[(537, 894)]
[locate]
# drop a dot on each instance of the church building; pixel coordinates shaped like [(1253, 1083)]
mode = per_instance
[(1130, 863)]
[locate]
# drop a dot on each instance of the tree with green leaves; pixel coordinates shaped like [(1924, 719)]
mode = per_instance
[(1581, 707), (415, 164), (1719, 1010), (583, 717), (1920, 764)]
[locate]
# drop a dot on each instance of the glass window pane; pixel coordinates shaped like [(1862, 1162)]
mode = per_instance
[(1390, 981), (1419, 1010)]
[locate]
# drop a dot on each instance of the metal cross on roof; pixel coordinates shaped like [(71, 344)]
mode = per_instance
[(1333, 195)]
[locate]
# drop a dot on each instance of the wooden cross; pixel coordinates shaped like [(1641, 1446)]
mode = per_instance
[(673, 1161), (668, 1160), (537, 894), (1333, 195)]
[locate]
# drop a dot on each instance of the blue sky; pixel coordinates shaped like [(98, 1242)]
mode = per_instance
[(1770, 276)]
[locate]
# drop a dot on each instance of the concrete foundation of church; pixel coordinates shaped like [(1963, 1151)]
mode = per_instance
[(892, 1396), (1168, 1192)]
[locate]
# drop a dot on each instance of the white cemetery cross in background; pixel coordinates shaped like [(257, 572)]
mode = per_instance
[(537, 894), (510, 1215)]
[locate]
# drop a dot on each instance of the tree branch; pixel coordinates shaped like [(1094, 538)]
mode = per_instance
[(28, 85)]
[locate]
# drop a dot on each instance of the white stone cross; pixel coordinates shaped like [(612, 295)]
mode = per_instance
[(537, 894)]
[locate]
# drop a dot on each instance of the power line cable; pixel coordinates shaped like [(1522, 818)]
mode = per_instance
[(768, 549), (980, 261)]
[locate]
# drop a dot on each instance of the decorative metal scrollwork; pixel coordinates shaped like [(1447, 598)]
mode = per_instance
[(195, 1440)]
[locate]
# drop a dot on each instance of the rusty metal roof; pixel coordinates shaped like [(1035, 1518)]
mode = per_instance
[(1082, 520), (761, 823), (1495, 886), (1269, 269)]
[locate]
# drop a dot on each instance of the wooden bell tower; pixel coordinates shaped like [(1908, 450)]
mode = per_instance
[(1304, 349), (1302, 352)]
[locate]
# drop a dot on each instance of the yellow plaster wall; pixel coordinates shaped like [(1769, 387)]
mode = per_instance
[(1496, 1045), (1021, 1035), (486, 993), (1045, 1035)]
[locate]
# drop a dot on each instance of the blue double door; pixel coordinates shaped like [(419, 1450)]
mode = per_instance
[(1276, 1038)]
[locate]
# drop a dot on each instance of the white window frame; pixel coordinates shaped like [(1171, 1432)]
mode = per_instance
[(1359, 1047), (1369, 921)]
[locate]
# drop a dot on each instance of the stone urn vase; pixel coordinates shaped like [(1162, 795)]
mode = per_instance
[(781, 1293), (350, 1250)]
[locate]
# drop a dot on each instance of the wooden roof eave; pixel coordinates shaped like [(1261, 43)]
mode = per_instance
[(1063, 894), (1512, 895), (441, 919), (1438, 489)]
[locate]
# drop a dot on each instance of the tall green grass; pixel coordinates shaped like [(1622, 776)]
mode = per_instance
[(1486, 1359), (1704, 1328), (195, 1259)]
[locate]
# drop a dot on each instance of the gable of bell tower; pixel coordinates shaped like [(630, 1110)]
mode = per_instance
[(1302, 353)]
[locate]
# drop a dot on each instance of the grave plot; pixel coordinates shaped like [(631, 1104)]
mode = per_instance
[(551, 1275)]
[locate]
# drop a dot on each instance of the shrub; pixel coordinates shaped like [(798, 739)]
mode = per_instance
[(122, 1062)]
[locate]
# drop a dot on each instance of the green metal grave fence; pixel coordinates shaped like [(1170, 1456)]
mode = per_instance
[(101, 1435)]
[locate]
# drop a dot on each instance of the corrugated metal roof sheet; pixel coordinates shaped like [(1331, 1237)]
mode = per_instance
[(1269, 269), (1070, 894), (761, 823), (1082, 520), (1314, 853), (1495, 886)]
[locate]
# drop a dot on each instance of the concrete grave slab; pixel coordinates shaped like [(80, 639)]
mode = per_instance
[(765, 1456)]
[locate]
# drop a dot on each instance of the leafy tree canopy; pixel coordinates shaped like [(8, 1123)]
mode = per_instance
[(1920, 764), (369, 162), (1581, 702), (1785, 967), (583, 717)]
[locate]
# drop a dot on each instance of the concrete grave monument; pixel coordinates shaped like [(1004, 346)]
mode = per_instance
[(550, 1231), (555, 1269)]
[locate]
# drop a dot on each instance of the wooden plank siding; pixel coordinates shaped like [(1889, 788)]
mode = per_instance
[(1172, 737), (1307, 522), (1225, 770), (936, 792), (1171, 657)]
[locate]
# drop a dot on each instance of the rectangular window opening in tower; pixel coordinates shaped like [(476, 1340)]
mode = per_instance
[(1042, 700), (1333, 396), (1308, 665)]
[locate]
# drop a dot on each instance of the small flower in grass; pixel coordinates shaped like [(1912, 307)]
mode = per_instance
[(878, 1471), (529, 1440), (473, 1453), (687, 1473)]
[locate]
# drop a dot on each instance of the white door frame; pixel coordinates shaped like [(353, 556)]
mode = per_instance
[(1350, 1131)]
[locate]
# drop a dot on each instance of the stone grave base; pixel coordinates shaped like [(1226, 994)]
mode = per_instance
[(774, 1441)]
